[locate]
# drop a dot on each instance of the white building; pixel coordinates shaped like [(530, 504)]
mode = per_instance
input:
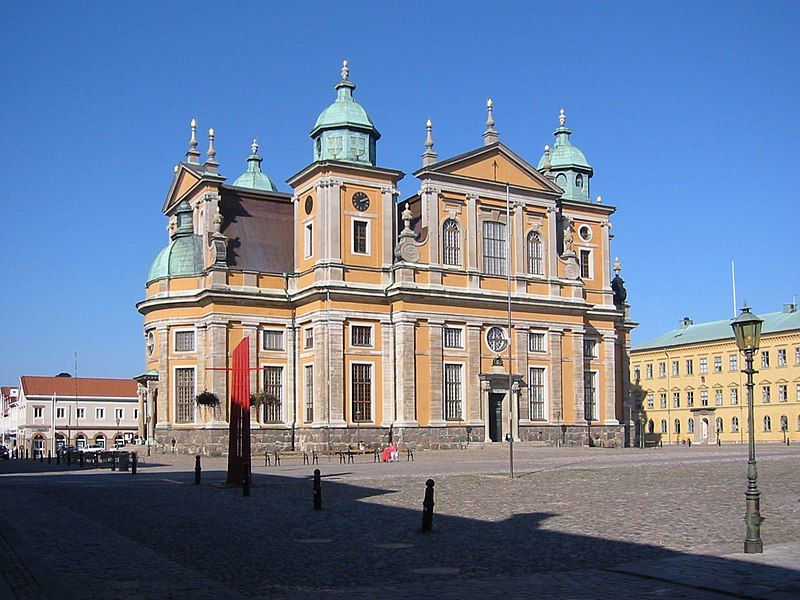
[(74, 410), (8, 420)]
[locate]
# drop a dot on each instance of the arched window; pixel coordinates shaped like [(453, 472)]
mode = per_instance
[(735, 425), (80, 441), (767, 423), (651, 427), (719, 424), (100, 440), (689, 427), (784, 423), (119, 440), (535, 266), (579, 181), (451, 243), (677, 426), (663, 426)]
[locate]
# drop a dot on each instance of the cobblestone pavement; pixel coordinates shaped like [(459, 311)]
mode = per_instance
[(574, 523)]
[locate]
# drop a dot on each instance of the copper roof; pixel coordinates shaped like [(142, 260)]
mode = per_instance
[(78, 386)]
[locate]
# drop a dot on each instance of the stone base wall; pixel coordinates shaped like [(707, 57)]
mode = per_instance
[(573, 435), (214, 442)]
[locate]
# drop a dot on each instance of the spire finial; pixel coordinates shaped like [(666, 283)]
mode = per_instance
[(193, 155), (345, 70), (562, 117), (429, 156), (254, 146), (490, 135), (617, 266), (547, 149), (211, 163)]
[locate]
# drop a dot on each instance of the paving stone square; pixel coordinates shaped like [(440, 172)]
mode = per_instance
[(573, 523)]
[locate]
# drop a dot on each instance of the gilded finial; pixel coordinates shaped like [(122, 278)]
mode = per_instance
[(345, 71), (254, 146), (562, 117)]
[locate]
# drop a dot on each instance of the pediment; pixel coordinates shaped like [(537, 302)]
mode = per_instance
[(497, 164), (182, 183)]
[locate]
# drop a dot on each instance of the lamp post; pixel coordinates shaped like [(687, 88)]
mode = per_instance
[(147, 433), (641, 428), (747, 329), (117, 436)]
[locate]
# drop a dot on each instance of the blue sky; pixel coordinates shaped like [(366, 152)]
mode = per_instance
[(688, 113)]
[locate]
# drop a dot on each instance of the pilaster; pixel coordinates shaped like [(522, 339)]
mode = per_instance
[(388, 361), (435, 332), (609, 374), (321, 384), (406, 367), (336, 376), (521, 368), (474, 398), (164, 376), (556, 377), (472, 242), (218, 376), (388, 207), (250, 331), (577, 374)]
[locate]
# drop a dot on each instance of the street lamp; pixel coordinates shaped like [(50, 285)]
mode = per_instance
[(747, 329), (642, 419)]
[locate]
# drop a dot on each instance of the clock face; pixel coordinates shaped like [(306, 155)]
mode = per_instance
[(309, 205), (496, 339), (360, 201)]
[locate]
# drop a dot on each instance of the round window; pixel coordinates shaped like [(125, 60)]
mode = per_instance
[(151, 343), (496, 339), (585, 232), (309, 205)]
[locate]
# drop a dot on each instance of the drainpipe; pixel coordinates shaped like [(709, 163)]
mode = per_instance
[(294, 356)]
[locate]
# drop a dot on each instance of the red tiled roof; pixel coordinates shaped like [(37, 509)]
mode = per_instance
[(78, 386)]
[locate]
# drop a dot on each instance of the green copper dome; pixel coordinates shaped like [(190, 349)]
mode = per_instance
[(567, 164), (344, 131), (183, 256), (254, 178)]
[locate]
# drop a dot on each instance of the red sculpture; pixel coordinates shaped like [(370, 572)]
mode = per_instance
[(239, 443)]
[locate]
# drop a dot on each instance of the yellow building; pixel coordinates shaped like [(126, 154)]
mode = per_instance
[(369, 316), (688, 383)]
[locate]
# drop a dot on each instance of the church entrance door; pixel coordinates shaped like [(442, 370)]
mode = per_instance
[(496, 417)]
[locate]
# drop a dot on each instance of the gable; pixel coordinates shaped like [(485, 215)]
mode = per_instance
[(497, 164), (182, 183)]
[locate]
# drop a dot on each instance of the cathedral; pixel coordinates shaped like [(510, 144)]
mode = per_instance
[(481, 308)]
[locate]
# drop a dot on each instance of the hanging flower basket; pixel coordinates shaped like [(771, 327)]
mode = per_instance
[(260, 398), (207, 399)]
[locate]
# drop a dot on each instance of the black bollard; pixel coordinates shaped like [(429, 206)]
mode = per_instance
[(317, 490), (41, 456), (27, 453), (246, 479), (719, 442), (96, 460), (197, 470), (49, 457), (427, 507), (134, 462), (113, 461), (58, 458)]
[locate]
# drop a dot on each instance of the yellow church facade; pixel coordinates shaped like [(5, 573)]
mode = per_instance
[(688, 383), (479, 309)]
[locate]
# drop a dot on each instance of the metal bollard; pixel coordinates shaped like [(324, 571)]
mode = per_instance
[(317, 490), (27, 453), (427, 507), (246, 479), (58, 458), (719, 442), (197, 470), (113, 461), (41, 456), (49, 457), (266, 458), (134, 462), (81, 458), (96, 460)]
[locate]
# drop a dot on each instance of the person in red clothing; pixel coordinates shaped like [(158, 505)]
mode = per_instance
[(386, 455), (392, 452)]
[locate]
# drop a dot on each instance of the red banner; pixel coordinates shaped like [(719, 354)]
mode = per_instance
[(240, 390)]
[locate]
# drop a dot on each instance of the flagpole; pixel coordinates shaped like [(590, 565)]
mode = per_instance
[(510, 376)]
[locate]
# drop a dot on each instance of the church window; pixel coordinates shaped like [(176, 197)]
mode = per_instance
[(690, 398), (452, 392), (360, 237), (536, 341), (734, 424), (361, 392), (361, 335), (585, 232), (590, 396), (452, 337), (579, 181), (717, 364), (717, 397), (537, 394), (535, 266), (309, 392), (273, 388), (151, 343), (272, 339), (766, 395), (309, 341), (765, 359), (767, 423), (586, 264), (689, 366), (734, 396), (561, 181), (782, 357), (308, 240), (184, 395), (690, 426), (494, 248), (677, 426), (451, 243), (663, 426), (676, 400), (733, 362), (783, 393), (184, 341)]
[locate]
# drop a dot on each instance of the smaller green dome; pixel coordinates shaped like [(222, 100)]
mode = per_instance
[(344, 112), (183, 256), (564, 154), (254, 178)]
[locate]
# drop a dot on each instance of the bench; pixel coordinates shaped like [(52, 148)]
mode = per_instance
[(276, 456)]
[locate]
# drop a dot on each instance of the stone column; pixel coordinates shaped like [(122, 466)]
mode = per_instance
[(606, 256), (335, 225), (291, 383), (152, 393), (406, 373), (556, 377), (201, 347), (141, 393), (551, 250), (577, 375), (435, 332), (322, 227), (474, 398), (430, 208), (321, 384), (521, 368), (336, 378), (218, 377), (609, 373), (485, 410), (388, 361), (164, 376), (388, 211), (516, 228), (471, 236)]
